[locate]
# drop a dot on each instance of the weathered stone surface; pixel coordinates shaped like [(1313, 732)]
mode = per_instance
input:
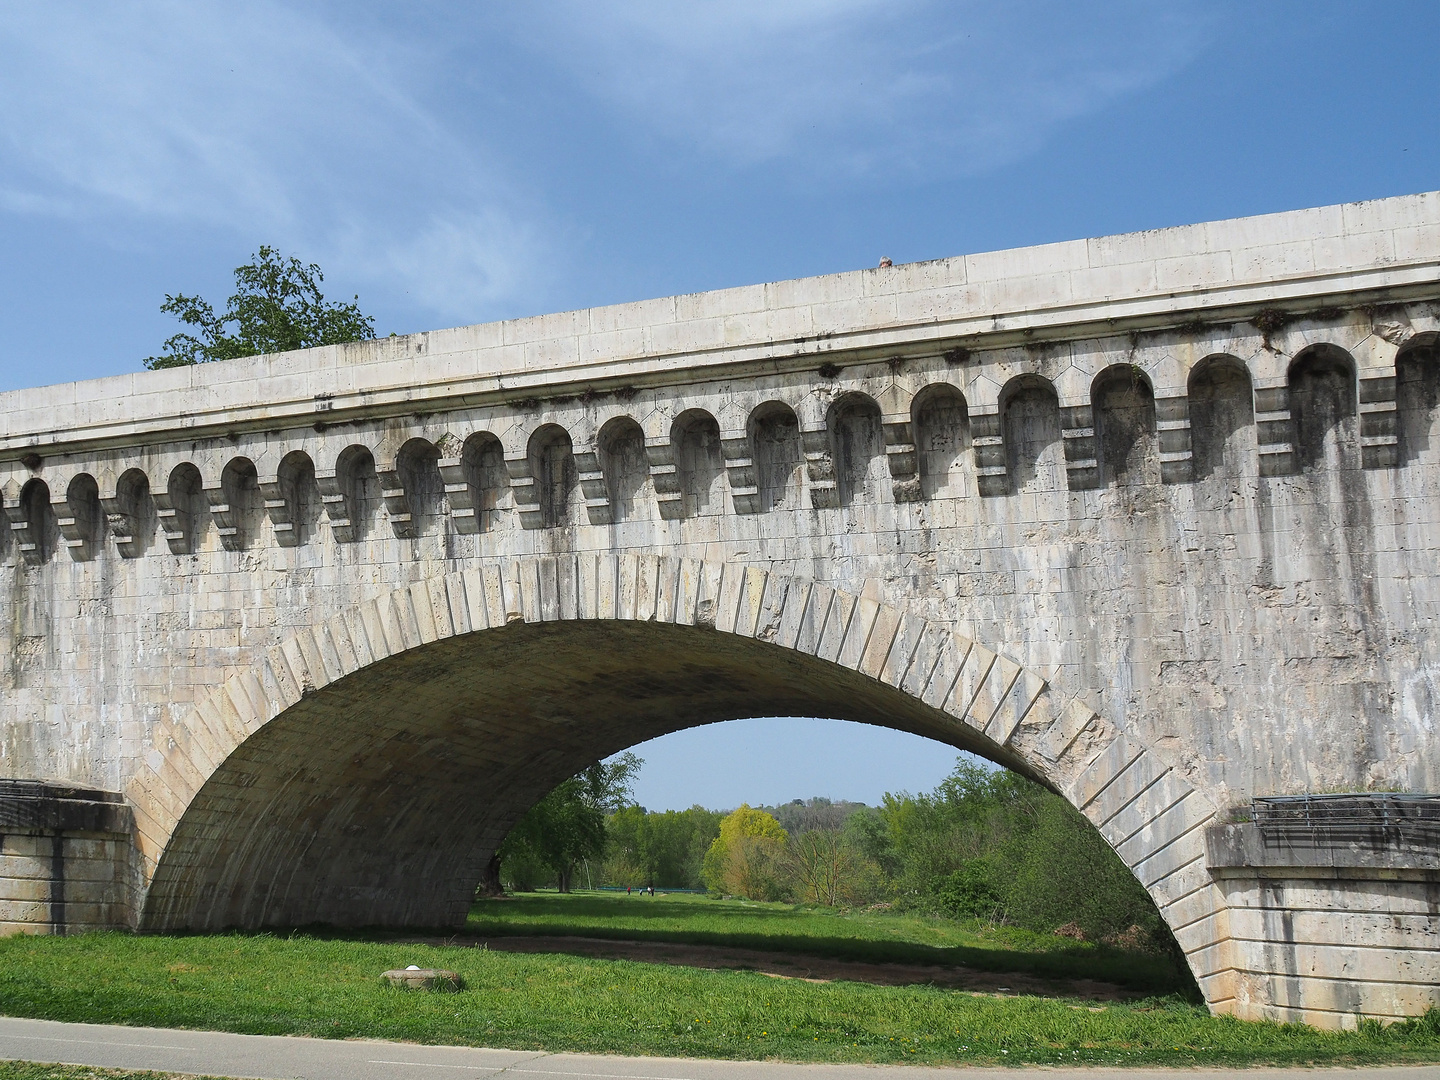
[(438, 980), (1082, 509), (1242, 849), (66, 861)]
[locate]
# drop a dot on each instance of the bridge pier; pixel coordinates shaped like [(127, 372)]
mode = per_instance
[(66, 862), (1329, 924)]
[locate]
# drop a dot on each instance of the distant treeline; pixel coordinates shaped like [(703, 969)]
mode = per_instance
[(985, 845)]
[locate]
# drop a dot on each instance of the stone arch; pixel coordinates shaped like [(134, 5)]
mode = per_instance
[(621, 444), (354, 505), (1417, 394), (1031, 430), (699, 463), (83, 521), (775, 449), (300, 499), (1222, 418), (941, 420), (482, 460), (857, 447), (557, 480), (34, 523), (421, 503), (1324, 410), (238, 509), (1128, 448), (183, 513), (130, 514), (300, 790)]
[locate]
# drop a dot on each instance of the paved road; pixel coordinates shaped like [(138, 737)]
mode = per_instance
[(278, 1057)]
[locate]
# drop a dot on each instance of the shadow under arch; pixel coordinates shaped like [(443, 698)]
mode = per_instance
[(1417, 394), (1324, 409), (1033, 435), (1221, 397), (364, 772)]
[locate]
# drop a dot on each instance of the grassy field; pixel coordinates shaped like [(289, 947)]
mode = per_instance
[(818, 931), (330, 987), (30, 1070)]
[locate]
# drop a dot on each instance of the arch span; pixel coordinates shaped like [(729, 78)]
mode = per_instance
[(365, 771)]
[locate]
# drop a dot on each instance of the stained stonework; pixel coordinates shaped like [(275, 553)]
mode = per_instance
[(67, 860), (1149, 518)]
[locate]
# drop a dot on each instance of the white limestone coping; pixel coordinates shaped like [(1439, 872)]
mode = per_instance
[(1383, 248)]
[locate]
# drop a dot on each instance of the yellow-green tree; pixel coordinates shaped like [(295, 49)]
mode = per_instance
[(747, 858)]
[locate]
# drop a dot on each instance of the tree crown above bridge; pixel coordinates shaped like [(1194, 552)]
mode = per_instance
[(277, 307)]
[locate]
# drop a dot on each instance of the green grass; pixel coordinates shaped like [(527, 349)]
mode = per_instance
[(817, 931), (33, 1070), (330, 987)]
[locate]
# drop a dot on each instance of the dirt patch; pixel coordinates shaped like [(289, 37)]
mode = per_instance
[(819, 969)]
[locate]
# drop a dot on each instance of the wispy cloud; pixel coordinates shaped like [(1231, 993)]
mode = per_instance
[(264, 121), (371, 144), (864, 86)]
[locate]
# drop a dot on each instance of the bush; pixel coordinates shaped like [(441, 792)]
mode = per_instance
[(975, 891), (1065, 872)]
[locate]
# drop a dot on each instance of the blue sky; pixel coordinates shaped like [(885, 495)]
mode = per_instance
[(455, 163), (773, 760)]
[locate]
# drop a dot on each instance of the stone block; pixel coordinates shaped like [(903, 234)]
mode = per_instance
[(881, 642), (832, 636), (1111, 762), (1160, 814), (1198, 904), (796, 627), (968, 681), (1170, 875)]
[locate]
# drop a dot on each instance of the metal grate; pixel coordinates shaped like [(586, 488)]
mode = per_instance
[(1381, 816)]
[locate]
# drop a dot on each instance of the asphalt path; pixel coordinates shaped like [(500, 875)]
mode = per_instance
[(283, 1057)]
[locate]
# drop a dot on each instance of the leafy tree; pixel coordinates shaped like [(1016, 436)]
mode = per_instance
[(974, 812), (559, 831), (1065, 872), (567, 826), (746, 857), (609, 785), (977, 890), (992, 845), (277, 306), (866, 829), (660, 849)]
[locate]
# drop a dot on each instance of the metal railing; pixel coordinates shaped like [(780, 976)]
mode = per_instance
[(1379, 817)]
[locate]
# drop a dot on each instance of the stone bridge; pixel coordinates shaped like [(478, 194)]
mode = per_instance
[(1151, 519)]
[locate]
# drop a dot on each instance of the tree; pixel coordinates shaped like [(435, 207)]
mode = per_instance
[(277, 306), (662, 849), (828, 868), (745, 858), (609, 785), (974, 812), (991, 845), (567, 826)]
